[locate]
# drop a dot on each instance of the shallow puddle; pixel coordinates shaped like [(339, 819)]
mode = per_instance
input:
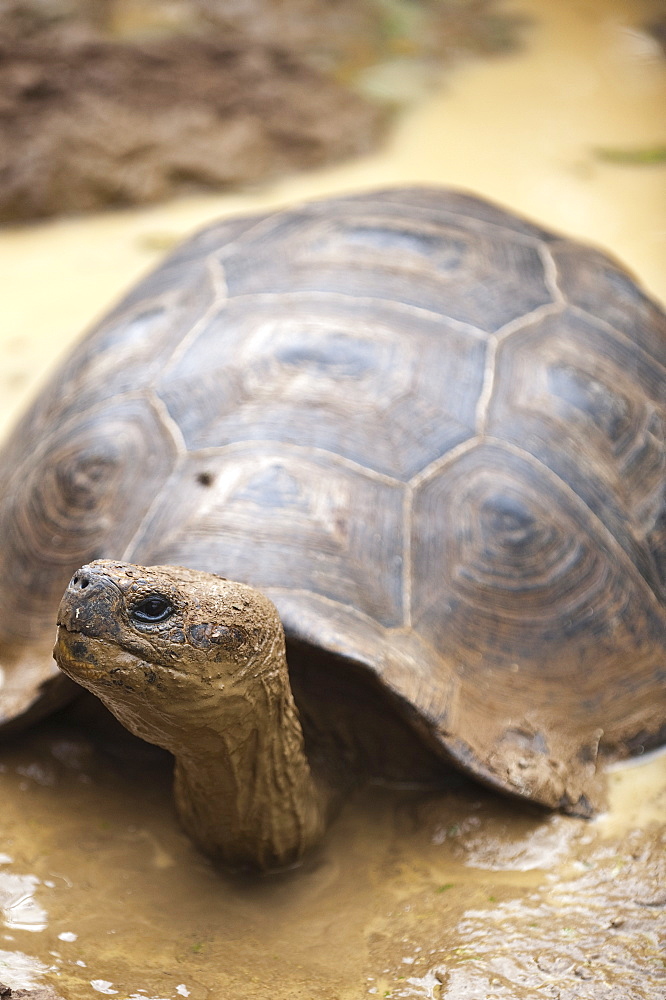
[(456, 895)]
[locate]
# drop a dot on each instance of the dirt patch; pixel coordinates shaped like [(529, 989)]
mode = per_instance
[(92, 124), (454, 896), (123, 102)]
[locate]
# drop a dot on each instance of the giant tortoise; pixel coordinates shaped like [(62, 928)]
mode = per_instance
[(431, 435)]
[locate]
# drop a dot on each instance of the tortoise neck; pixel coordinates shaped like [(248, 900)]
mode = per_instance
[(246, 794)]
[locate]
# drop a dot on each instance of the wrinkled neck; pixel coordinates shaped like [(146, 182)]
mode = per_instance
[(245, 792)]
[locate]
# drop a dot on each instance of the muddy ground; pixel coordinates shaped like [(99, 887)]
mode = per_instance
[(455, 895)]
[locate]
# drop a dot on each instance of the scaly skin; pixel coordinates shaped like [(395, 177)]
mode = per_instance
[(210, 684)]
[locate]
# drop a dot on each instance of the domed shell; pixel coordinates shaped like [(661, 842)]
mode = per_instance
[(431, 432)]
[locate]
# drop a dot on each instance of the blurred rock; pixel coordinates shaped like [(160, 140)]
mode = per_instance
[(122, 102), (93, 124)]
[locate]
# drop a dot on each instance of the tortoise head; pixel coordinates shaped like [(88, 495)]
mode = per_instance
[(196, 664), (160, 646)]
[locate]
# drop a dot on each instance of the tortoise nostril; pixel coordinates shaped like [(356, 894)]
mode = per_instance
[(81, 581)]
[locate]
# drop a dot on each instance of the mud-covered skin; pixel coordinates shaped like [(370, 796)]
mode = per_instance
[(209, 683)]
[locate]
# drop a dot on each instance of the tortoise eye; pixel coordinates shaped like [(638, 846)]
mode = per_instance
[(152, 609)]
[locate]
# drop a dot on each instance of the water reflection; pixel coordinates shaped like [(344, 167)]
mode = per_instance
[(20, 971), (19, 909)]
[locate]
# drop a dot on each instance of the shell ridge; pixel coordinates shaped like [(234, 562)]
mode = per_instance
[(532, 318), (487, 387), (133, 547), (551, 274), (262, 221), (452, 215), (606, 327), (325, 599), (451, 456), (608, 535), (366, 300), (167, 421), (277, 446), (218, 282), (390, 631), (173, 430), (127, 309)]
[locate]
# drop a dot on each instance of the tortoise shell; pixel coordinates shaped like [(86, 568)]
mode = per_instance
[(430, 431)]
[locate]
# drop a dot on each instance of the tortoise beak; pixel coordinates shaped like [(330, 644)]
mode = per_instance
[(87, 613), (89, 604)]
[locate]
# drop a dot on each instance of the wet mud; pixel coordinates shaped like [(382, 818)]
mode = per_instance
[(459, 894)]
